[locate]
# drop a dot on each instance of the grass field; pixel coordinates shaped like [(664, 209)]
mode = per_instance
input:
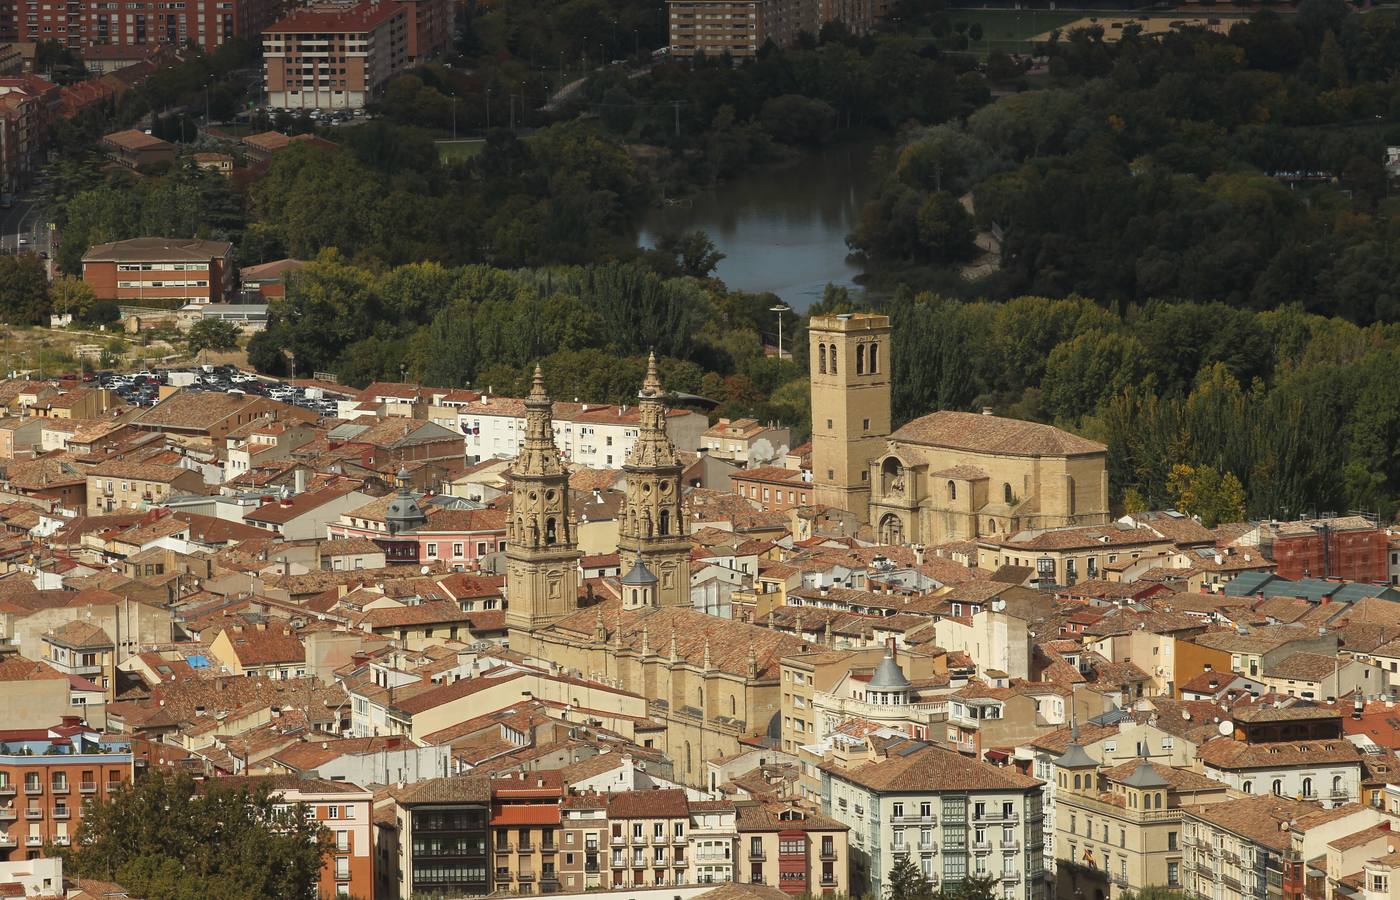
[(459, 151), (1009, 30)]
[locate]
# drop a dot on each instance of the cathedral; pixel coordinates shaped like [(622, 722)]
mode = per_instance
[(710, 681), (946, 476)]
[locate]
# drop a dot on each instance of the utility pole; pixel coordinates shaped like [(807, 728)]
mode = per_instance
[(676, 109)]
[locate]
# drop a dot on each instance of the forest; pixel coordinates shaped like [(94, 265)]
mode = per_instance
[(1245, 167)]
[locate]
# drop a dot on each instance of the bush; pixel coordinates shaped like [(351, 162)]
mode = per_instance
[(102, 312)]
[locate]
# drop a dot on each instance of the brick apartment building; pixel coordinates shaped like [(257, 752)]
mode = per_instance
[(45, 775), (336, 57), (740, 27), (196, 271), (81, 24), (27, 105), (1352, 548), (773, 487)]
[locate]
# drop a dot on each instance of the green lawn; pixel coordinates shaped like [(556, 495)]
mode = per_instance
[(459, 151), (1008, 30)]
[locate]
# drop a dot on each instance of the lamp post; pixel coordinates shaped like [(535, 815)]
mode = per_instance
[(780, 309)]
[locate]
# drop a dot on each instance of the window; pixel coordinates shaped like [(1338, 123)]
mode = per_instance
[(1247, 787), (1308, 787), (821, 358), (1278, 787), (952, 491), (833, 359), (860, 359), (874, 358), (432, 551), (1171, 840), (332, 812), (459, 550), (1336, 785), (897, 811), (1006, 492)]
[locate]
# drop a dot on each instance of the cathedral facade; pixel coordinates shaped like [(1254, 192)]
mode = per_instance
[(709, 681)]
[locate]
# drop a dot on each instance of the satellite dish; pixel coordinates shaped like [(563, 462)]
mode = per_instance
[(425, 570), (1226, 728)]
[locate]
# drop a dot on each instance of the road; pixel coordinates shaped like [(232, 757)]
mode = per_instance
[(26, 221)]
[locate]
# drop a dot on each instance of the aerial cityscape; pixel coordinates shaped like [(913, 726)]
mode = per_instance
[(699, 449)]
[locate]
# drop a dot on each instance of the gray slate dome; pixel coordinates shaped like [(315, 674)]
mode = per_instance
[(1145, 776), (888, 675), (639, 575), (1074, 757)]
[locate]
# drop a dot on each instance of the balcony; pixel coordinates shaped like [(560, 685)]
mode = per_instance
[(1010, 877), (757, 855), (981, 846), (33, 841), (33, 815), (88, 787), (830, 852), (679, 839), (924, 847), (7, 790), (525, 876), (1340, 794), (914, 820), (62, 812), (33, 789), (639, 839), (1012, 844), (505, 848), (549, 848), (58, 787), (61, 840), (8, 814), (1229, 882), (998, 817), (6, 840), (525, 847), (899, 849), (618, 840), (1121, 881), (503, 875)]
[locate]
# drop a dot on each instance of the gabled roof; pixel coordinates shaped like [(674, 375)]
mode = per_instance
[(993, 434)]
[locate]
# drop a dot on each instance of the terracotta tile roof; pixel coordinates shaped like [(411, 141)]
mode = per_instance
[(932, 768), (266, 646), (1303, 666), (447, 693), (775, 817), (1260, 818), (1363, 837), (17, 668), (993, 434), (1258, 640), (80, 636), (1179, 779), (769, 474), (1226, 753), (668, 804), (457, 789), (137, 471), (1088, 537), (131, 139), (433, 612), (184, 409), (282, 512), (348, 546)]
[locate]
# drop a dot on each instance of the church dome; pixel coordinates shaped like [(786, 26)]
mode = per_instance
[(888, 675), (639, 575)]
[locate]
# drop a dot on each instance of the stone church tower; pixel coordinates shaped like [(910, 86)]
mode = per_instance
[(541, 555), (850, 375), (652, 526)]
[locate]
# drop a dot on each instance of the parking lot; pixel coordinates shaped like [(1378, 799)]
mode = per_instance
[(143, 388)]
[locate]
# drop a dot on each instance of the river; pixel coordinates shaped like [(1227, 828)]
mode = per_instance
[(781, 229)]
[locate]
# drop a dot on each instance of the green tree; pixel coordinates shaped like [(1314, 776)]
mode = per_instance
[(24, 290), (1202, 491), (945, 229), (69, 294), (1083, 372), (906, 882), (167, 838), (212, 334)]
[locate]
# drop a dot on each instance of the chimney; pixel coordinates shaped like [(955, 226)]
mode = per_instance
[(299, 481), (918, 554), (987, 411)]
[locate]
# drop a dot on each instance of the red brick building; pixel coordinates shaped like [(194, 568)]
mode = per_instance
[(773, 487), (80, 24), (28, 104), (46, 774), (1351, 548), (196, 271)]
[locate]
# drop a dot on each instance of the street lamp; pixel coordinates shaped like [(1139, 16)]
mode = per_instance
[(780, 309)]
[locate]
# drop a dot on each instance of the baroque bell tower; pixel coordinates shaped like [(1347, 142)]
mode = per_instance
[(541, 554), (652, 530)]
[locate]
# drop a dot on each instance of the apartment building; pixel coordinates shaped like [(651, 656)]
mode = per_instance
[(196, 271), (795, 850), (648, 838), (138, 150), (46, 774), (747, 441), (345, 810), (1238, 850), (773, 487), (442, 829), (116, 484), (714, 850), (525, 831), (83, 650), (1118, 829), (331, 57), (588, 435), (27, 105), (1326, 771), (97, 26), (738, 28), (951, 815), (584, 829)]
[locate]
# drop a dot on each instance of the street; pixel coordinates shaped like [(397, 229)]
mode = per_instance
[(25, 221)]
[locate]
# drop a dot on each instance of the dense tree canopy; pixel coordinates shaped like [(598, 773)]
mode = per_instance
[(165, 838)]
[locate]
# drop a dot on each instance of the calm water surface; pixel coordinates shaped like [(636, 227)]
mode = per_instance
[(782, 230)]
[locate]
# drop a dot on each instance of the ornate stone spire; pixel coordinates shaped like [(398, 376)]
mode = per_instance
[(707, 663), (752, 663), (653, 447), (600, 633), (646, 642), (539, 455), (674, 655)]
